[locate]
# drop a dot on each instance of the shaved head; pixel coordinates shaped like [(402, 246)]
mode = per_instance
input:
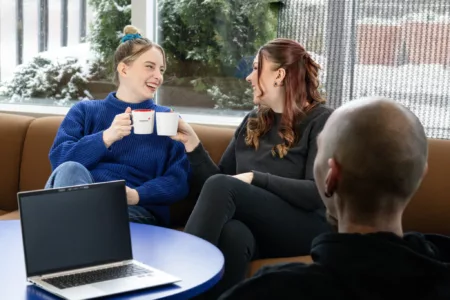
[(378, 151)]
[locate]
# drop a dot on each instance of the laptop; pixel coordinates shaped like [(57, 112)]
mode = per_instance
[(77, 242)]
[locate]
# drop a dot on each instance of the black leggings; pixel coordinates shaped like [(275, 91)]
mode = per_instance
[(247, 222)]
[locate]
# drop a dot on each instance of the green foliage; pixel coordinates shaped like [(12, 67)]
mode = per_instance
[(215, 34), (207, 39), (111, 16)]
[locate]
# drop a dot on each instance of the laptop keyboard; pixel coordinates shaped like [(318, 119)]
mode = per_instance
[(73, 280)]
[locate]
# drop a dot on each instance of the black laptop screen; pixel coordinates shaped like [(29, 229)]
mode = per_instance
[(78, 227)]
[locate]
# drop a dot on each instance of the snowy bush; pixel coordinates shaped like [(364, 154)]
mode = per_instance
[(231, 94), (59, 79)]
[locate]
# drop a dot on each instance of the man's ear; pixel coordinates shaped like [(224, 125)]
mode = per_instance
[(122, 69), (332, 178), (425, 171)]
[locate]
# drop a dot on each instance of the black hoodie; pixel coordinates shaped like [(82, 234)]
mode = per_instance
[(356, 266)]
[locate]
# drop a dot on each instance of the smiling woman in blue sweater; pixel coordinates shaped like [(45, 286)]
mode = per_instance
[(95, 142)]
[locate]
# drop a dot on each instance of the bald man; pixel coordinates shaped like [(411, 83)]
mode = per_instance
[(372, 156)]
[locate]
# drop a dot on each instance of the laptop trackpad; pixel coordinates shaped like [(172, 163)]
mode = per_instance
[(120, 285)]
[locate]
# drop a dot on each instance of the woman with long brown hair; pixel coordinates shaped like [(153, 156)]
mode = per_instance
[(261, 201)]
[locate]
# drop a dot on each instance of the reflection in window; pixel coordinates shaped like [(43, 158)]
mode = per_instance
[(399, 49)]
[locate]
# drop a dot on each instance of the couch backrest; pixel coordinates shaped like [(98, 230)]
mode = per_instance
[(429, 210), (31, 139), (13, 129), (35, 168), (214, 139)]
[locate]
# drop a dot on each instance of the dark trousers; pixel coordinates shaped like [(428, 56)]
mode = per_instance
[(247, 222)]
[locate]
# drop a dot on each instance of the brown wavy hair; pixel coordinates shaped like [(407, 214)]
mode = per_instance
[(301, 85)]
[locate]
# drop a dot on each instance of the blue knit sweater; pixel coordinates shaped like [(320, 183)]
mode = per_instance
[(156, 166)]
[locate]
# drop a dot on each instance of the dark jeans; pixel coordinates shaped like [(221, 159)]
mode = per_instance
[(247, 222), (73, 173)]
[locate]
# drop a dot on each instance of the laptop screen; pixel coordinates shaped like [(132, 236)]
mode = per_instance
[(74, 227)]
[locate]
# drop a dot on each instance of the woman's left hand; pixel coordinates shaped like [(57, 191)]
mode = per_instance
[(132, 196), (245, 177)]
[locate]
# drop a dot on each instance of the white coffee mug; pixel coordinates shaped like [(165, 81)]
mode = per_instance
[(167, 123), (143, 121)]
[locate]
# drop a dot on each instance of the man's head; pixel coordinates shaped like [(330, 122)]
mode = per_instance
[(372, 156)]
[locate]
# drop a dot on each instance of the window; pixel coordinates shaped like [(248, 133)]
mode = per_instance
[(394, 48), (43, 51), (57, 52), (60, 58), (211, 46)]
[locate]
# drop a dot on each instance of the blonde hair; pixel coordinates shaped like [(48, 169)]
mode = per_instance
[(129, 50)]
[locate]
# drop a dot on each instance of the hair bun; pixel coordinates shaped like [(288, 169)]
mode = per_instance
[(130, 29)]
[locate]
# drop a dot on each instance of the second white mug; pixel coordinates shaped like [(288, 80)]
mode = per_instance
[(167, 123)]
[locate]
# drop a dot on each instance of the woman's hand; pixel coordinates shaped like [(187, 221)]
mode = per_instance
[(120, 127), (245, 177), (187, 136), (132, 196)]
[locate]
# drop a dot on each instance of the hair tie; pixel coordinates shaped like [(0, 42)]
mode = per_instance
[(130, 36)]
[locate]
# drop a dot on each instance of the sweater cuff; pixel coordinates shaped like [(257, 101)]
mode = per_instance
[(260, 179), (198, 155), (99, 144)]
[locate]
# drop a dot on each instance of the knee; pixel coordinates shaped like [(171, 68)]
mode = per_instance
[(71, 168), (216, 190), (219, 183)]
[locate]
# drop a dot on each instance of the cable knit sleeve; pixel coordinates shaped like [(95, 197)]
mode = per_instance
[(71, 144)]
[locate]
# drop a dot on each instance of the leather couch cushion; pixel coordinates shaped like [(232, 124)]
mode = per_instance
[(13, 129), (429, 210), (214, 139), (36, 168)]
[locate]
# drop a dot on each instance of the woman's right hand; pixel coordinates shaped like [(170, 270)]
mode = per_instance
[(186, 135), (120, 127)]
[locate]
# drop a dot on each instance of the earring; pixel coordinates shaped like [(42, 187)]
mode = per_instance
[(328, 195), (275, 84)]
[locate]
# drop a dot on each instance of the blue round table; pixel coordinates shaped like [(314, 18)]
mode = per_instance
[(198, 263)]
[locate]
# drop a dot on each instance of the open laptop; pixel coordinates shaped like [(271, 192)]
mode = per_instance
[(77, 242)]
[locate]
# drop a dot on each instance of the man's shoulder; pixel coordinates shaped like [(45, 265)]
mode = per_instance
[(282, 281)]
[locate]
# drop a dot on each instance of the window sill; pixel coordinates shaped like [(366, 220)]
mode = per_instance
[(46, 110)]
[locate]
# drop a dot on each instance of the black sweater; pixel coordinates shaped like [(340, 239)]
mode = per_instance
[(377, 266), (291, 178)]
